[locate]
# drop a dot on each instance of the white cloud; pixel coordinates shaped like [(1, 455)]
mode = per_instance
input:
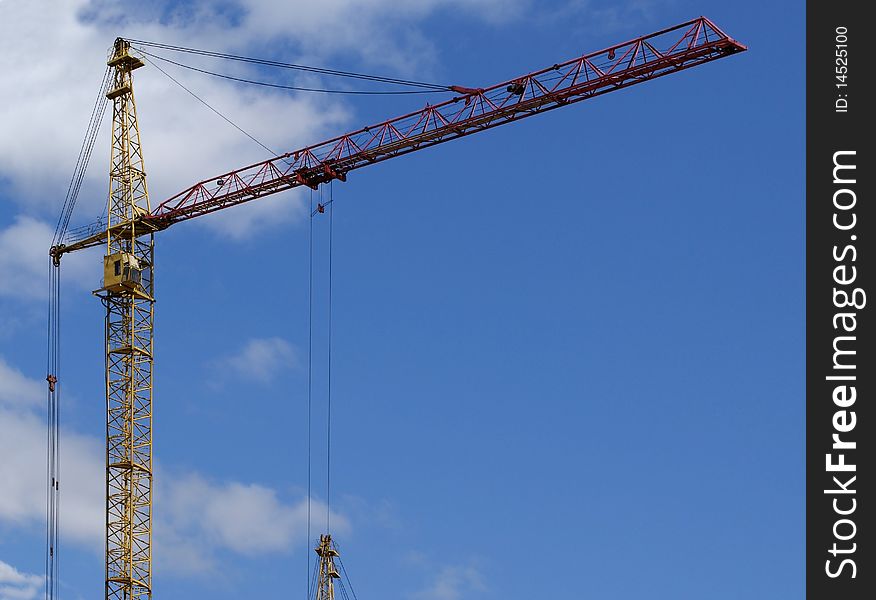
[(24, 261), (382, 32), (24, 258), (589, 16), (200, 518), (23, 464), (262, 359), (195, 519), (23, 473), (15, 585), (17, 390), (453, 582)]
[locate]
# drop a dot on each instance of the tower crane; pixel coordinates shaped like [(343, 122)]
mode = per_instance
[(128, 290)]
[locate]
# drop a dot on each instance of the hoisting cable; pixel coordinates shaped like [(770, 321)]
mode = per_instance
[(320, 208), (53, 427), (309, 385), (291, 87), (328, 480), (53, 345), (293, 66)]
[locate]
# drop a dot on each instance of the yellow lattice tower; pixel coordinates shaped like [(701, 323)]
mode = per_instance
[(127, 294), (325, 584)]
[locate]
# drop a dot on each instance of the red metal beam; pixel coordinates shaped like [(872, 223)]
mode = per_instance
[(475, 109)]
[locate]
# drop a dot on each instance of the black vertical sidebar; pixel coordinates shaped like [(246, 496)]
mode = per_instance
[(840, 267)]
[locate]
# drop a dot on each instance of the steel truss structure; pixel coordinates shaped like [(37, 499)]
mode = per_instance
[(129, 339), (474, 109)]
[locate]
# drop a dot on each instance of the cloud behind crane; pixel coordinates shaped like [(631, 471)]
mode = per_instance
[(201, 524)]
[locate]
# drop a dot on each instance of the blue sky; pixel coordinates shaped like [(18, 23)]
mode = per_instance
[(573, 344)]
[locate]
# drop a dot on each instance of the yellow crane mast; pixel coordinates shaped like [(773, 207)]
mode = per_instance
[(128, 278), (127, 294)]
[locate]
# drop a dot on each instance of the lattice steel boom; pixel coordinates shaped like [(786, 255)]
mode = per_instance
[(128, 288), (474, 109)]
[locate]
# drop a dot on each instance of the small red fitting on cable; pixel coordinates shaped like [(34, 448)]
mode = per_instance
[(459, 89)]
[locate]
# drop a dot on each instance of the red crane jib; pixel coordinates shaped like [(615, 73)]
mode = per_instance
[(474, 109)]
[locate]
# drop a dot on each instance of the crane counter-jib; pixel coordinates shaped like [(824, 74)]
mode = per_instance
[(474, 109)]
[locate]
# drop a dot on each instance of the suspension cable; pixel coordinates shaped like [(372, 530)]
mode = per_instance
[(346, 576), (85, 151), (292, 87), (293, 66)]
